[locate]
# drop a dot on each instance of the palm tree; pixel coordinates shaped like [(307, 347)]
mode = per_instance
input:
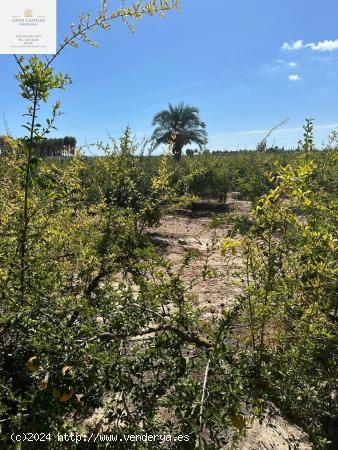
[(178, 126)]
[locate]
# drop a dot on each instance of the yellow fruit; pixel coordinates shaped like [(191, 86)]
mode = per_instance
[(32, 364), (67, 370), (66, 395), (63, 396)]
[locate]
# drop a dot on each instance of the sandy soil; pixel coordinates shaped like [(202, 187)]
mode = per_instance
[(275, 434), (180, 233)]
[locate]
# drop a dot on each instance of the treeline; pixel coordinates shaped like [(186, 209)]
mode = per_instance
[(44, 147), (248, 172)]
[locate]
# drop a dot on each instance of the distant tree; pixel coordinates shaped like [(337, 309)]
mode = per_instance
[(262, 145), (191, 152), (178, 126), (70, 142), (56, 146)]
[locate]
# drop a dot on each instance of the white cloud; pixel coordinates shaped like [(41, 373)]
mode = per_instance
[(294, 77), (296, 45), (286, 63), (321, 46), (324, 46)]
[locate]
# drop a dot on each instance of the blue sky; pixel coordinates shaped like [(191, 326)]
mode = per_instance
[(247, 64)]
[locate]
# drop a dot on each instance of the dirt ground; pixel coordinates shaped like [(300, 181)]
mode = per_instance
[(191, 231)]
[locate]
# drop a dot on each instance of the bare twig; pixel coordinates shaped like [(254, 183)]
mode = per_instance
[(202, 401)]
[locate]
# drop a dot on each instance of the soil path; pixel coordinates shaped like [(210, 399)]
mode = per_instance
[(191, 231)]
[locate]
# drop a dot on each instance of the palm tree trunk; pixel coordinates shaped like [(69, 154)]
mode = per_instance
[(177, 151)]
